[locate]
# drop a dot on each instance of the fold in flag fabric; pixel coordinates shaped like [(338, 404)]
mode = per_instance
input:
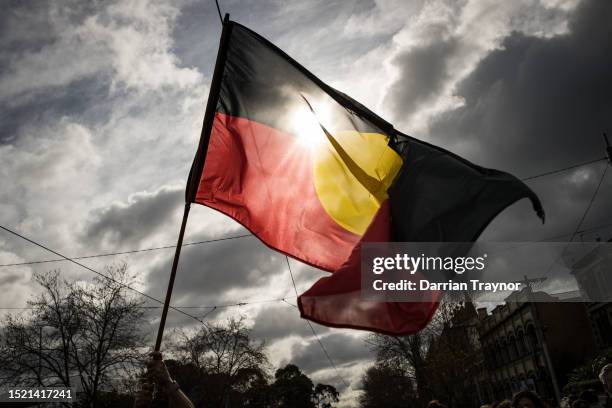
[(313, 173)]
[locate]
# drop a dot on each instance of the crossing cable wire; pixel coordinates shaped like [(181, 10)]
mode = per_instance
[(171, 307), (97, 273), (549, 173), (239, 304), (73, 260), (550, 238), (591, 229), (134, 251), (178, 309), (586, 211), (584, 215), (331, 362), (209, 312)]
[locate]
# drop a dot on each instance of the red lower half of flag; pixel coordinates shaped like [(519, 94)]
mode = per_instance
[(263, 178), (336, 300)]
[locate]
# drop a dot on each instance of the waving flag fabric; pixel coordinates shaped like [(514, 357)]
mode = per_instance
[(312, 173)]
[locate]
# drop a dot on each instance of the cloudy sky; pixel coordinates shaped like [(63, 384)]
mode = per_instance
[(101, 105)]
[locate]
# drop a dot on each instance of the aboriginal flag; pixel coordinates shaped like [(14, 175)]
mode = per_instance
[(313, 173)]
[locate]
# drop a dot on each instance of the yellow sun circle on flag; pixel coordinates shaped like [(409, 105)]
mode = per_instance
[(352, 173)]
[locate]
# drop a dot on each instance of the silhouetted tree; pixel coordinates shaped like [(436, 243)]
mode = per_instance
[(229, 363), (447, 359), (408, 353), (387, 387), (405, 354), (293, 388), (74, 333)]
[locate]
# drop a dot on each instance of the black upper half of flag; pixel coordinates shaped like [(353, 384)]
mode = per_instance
[(264, 84), (437, 195)]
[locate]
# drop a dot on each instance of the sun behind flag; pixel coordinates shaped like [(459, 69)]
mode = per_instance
[(313, 173)]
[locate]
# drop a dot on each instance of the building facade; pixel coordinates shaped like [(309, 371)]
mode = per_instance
[(532, 342), (594, 275)]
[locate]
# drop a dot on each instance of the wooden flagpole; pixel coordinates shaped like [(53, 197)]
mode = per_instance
[(198, 166)]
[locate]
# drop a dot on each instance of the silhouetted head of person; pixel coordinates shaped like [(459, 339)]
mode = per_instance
[(527, 399)]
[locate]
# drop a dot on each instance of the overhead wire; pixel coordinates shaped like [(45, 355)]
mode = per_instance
[(588, 208), (550, 238), (25, 263), (582, 218), (227, 305), (561, 170), (97, 273), (590, 229), (314, 333), (134, 251)]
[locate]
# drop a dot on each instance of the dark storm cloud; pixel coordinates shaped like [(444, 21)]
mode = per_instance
[(24, 26), (423, 72), (144, 215), (537, 103), (81, 98), (30, 26), (534, 105), (342, 347), (208, 272)]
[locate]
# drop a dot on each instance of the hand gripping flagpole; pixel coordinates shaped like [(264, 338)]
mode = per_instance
[(198, 165)]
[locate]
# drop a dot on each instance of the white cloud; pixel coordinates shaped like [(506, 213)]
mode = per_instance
[(145, 137), (138, 37), (51, 168), (15, 282)]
